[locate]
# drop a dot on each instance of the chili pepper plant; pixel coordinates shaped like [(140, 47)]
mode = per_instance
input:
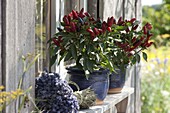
[(82, 38), (127, 41)]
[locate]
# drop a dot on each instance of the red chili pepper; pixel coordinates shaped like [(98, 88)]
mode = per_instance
[(137, 44), (67, 28), (124, 45), (132, 20), (89, 30), (69, 18), (91, 19), (100, 30), (148, 26), (114, 21), (131, 49), (81, 13), (144, 30), (56, 42), (135, 27), (133, 40), (110, 21), (127, 30), (65, 19), (148, 38), (104, 24), (142, 38), (73, 27), (149, 35), (92, 35), (96, 31), (75, 15), (120, 19), (87, 14), (109, 29), (120, 23), (60, 39), (149, 44), (70, 14)]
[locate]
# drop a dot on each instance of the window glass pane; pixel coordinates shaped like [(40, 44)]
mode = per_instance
[(40, 34), (59, 15)]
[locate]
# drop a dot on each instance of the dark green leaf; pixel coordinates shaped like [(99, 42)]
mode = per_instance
[(52, 60), (74, 51), (68, 56), (134, 60), (145, 57), (120, 27), (61, 58), (138, 58), (78, 62), (49, 40), (89, 64), (89, 48)]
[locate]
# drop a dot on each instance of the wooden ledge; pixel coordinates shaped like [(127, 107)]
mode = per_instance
[(111, 103)]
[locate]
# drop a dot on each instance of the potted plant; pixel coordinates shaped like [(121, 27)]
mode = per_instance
[(83, 38), (127, 41)]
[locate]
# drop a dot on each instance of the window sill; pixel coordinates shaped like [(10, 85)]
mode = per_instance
[(112, 103)]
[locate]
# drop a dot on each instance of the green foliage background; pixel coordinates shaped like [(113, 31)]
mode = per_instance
[(159, 17), (156, 72)]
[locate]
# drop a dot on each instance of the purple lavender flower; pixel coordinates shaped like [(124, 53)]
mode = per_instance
[(165, 61), (54, 95), (158, 60)]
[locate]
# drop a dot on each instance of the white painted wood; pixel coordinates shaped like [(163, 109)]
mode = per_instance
[(92, 7), (19, 39), (111, 8), (133, 8), (129, 9), (110, 101)]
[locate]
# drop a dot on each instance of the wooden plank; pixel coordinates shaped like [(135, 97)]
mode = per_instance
[(70, 5), (111, 8), (122, 106), (129, 9), (18, 40), (92, 7)]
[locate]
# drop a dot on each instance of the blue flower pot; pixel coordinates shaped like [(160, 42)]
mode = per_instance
[(117, 81), (98, 81)]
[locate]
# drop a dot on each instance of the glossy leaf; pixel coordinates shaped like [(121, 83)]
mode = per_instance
[(52, 60), (145, 57), (138, 58), (74, 51)]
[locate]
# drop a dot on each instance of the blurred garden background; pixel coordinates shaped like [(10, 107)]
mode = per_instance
[(156, 72)]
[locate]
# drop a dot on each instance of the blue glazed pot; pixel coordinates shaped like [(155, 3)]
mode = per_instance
[(98, 81), (117, 81)]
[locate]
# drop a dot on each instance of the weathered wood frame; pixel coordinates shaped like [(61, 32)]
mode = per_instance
[(17, 38)]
